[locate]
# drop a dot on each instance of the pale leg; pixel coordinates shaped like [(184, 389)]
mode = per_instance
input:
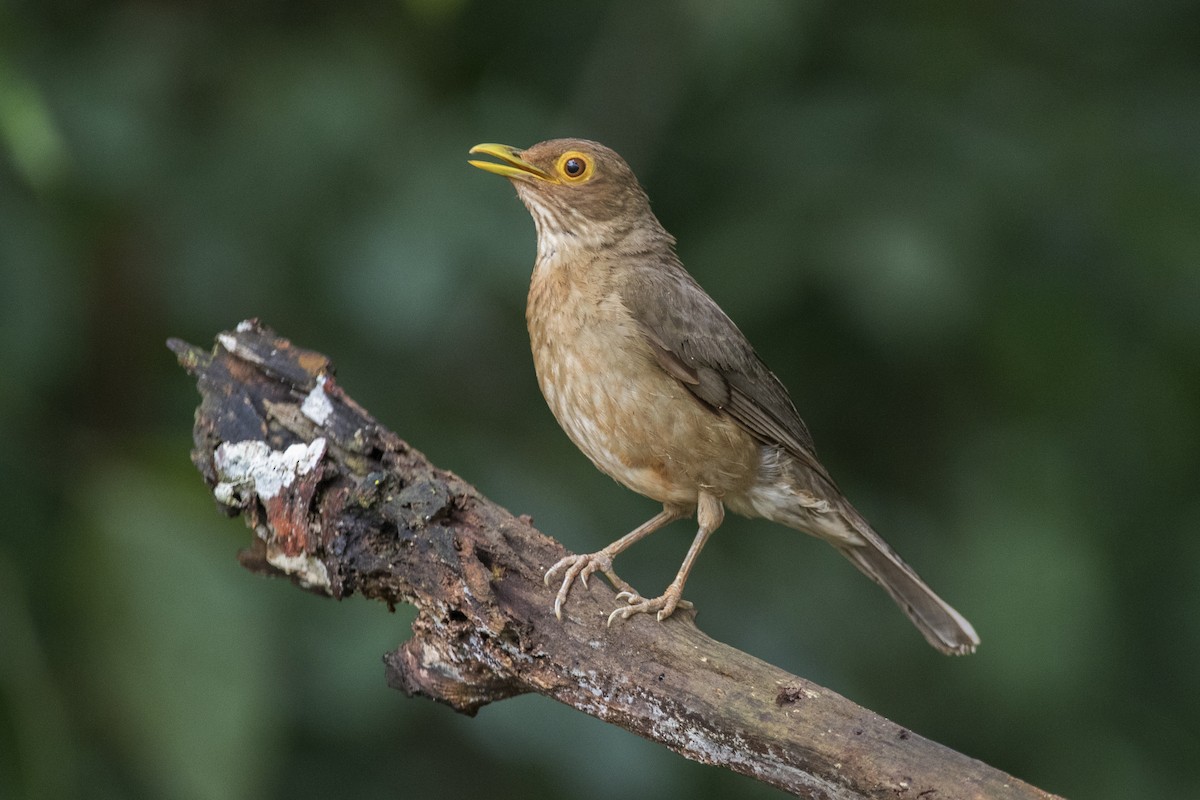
[(582, 566), (709, 513)]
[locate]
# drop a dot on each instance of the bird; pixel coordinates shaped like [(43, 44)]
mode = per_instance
[(661, 390)]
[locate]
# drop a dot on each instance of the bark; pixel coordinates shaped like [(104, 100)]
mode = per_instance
[(342, 505)]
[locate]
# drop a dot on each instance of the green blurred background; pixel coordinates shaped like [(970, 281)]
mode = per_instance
[(966, 236)]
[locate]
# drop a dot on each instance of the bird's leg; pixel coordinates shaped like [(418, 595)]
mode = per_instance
[(582, 566), (709, 513)]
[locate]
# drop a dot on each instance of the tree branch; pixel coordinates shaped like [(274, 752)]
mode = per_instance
[(342, 505)]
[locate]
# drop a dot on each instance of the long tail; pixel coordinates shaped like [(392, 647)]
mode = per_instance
[(827, 514), (942, 626)]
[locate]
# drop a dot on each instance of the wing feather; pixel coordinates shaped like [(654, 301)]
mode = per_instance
[(695, 342)]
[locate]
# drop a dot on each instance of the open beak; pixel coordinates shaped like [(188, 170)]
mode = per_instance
[(511, 166)]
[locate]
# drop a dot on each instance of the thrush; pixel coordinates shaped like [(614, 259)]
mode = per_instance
[(660, 389)]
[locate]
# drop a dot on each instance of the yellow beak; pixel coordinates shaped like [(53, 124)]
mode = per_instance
[(512, 166)]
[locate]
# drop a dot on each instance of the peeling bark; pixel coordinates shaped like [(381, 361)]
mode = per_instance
[(342, 505)]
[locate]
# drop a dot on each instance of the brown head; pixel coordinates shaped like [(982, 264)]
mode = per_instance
[(578, 191)]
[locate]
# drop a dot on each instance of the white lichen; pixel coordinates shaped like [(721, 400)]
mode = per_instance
[(253, 467), (317, 405), (234, 346), (230, 343), (310, 571)]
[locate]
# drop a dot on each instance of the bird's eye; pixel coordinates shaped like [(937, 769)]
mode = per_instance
[(575, 166)]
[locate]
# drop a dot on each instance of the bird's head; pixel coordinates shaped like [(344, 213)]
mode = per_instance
[(577, 190)]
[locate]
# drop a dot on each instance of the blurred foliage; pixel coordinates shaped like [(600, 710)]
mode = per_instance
[(966, 236)]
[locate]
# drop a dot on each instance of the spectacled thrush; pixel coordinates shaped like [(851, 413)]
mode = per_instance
[(659, 388)]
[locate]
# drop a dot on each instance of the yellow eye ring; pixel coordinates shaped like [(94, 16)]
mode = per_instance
[(575, 167)]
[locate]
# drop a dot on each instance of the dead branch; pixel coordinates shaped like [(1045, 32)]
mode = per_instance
[(342, 505)]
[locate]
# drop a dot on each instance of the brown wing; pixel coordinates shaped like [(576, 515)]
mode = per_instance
[(701, 347)]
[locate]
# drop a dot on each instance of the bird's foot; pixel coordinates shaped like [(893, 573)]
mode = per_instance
[(662, 607), (583, 567)]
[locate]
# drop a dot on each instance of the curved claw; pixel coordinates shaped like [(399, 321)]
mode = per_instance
[(633, 598), (662, 607), (567, 562), (581, 568)]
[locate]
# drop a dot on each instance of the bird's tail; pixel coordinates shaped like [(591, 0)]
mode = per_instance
[(942, 626), (828, 515)]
